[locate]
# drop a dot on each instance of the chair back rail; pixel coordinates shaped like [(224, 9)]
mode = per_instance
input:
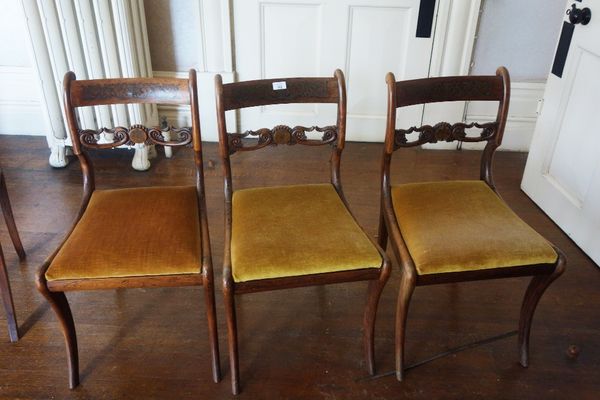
[(279, 91), (97, 92), (451, 88)]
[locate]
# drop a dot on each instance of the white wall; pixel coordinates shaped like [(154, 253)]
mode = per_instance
[(521, 35), (20, 108)]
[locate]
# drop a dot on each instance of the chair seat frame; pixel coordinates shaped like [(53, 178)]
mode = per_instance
[(79, 93), (421, 91)]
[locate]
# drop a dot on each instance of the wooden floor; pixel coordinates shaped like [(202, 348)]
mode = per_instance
[(302, 343)]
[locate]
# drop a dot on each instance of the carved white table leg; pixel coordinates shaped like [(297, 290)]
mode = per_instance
[(140, 158)]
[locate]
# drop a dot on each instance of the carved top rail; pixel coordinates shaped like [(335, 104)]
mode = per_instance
[(137, 134), (282, 135), (280, 91), (129, 90), (445, 132), (451, 88)]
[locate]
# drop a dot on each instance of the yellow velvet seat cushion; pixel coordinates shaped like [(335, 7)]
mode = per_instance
[(295, 230), (457, 226), (133, 232)]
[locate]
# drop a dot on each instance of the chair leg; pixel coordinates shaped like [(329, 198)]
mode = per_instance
[(60, 305), (535, 290), (7, 300), (375, 289), (407, 286), (211, 313), (9, 218), (232, 338), (382, 236)]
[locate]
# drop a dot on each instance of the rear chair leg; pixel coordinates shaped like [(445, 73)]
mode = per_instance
[(229, 294), (535, 290), (382, 235), (375, 289), (9, 218), (7, 300), (209, 294), (407, 286), (60, 305)]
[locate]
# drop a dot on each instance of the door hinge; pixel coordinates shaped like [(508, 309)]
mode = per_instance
[(540, 106)]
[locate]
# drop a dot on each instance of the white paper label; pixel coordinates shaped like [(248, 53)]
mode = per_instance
[(279, 85)]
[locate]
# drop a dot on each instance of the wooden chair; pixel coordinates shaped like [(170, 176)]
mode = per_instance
[(456, 231), (313, 239), (7, 300), (152, 236)]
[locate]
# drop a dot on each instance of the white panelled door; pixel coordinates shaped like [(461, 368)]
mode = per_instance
[(303, 38), (563, 169)]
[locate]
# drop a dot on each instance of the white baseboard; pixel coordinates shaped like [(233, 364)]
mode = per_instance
[(180, 115), (522, 115), (20, 107)]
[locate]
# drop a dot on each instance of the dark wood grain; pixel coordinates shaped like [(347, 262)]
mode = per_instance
[(133, 90), (261, 92), (449, 88)]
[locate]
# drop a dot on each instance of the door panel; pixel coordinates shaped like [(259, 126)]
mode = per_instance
[(366, 39), (563, 168)]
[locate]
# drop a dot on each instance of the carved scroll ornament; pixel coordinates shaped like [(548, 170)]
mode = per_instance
[(282, 135), (137, 134), (445, 132)]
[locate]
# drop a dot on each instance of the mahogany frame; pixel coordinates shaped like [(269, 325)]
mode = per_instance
[(238, 95), (429, 90), (5, 292), (79, 93)]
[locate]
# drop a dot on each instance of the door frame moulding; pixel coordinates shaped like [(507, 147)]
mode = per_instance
[(453, 43), (216, 44), (454, 37)]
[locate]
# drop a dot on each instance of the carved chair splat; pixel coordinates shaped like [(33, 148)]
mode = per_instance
[(517, 249), (246, 270), (79, 264)]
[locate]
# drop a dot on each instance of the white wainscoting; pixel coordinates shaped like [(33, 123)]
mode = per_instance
[(522, 115), (180, 115), (21, 111)]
